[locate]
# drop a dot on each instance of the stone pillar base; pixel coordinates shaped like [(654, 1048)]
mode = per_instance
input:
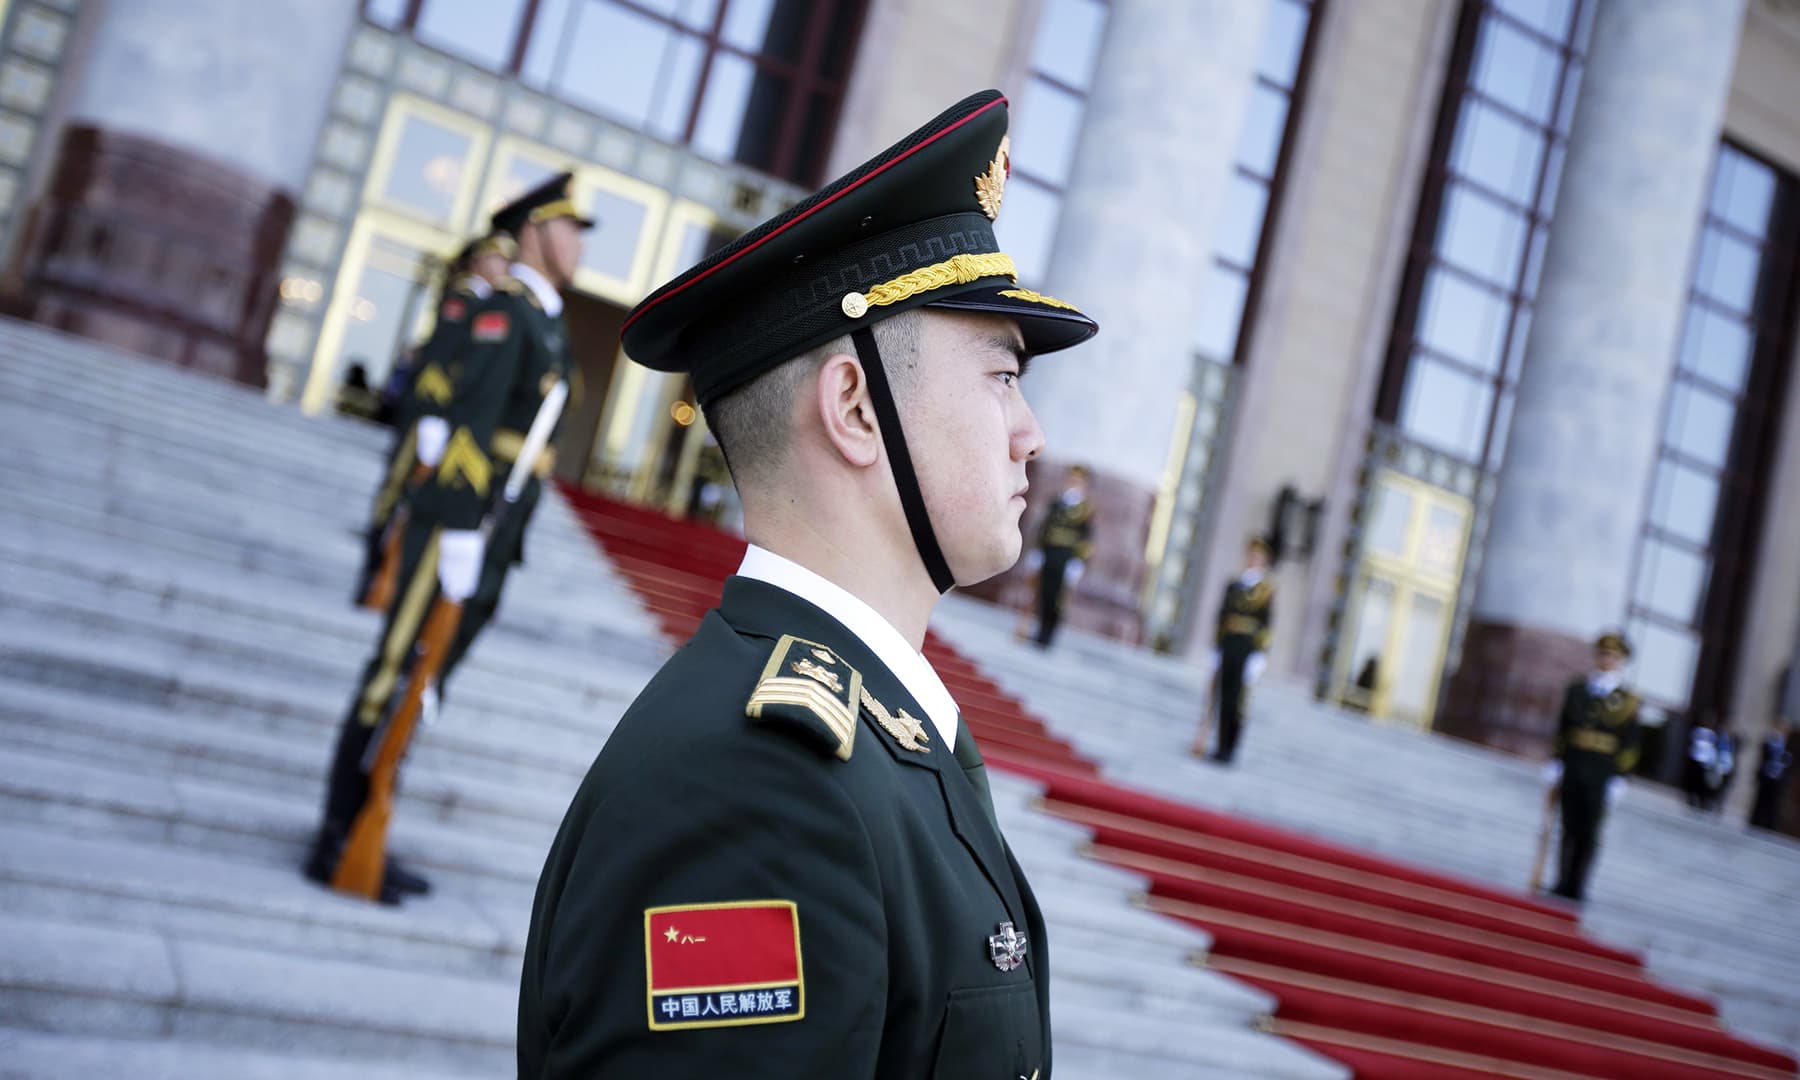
[(1106, 602), (1508, 689)]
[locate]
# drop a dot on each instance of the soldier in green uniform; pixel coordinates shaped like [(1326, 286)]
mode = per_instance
[(514, 351), (1064, 546), (791, 826), (1596, 746), (469, 279), (1240, 649)]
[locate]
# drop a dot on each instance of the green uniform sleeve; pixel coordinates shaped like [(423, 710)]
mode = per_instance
[(1630, 742), (1565, 722), (754, 819), (484, 370), (1265, 621), (435, 368), (1084, 548)]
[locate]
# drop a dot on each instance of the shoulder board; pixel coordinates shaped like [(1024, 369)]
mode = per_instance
[(808, 690), (516, 287)]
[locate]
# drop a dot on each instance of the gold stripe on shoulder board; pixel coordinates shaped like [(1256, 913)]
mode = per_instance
[(803, 678)]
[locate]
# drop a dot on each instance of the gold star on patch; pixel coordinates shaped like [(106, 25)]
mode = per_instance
[(671, 933), (990, 187)]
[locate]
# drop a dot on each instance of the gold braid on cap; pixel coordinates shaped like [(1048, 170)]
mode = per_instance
[(559, 208), (1038, 298), (956, 270)]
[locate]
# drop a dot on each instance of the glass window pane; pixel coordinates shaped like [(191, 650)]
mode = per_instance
[(385, 12), (1264, 124), (612, 245), (680, 77), (1684, 502), (1728, 269), (522, 174), (1549, 17), (1446, 408), (1027, 228), (1503, 413), (1283, 37), (1049, 126), (1068, 40), (1743, 191), (1534, 261), (615, 55), (767, 26), (1440, 541), (1480, 235), (1389, 519), (1416, 668), (1701, 423), (478, 30), (741, 115), (1716, 346), (1546, 203), (1515, 69), (544, 50), (1670, 580), (1462, 320), (1240, 225), (1221, 313), (383, 312), (1571, 96), (428, 168), (1370, 640), (1497, 152), (1521, 338), (1663, 666)]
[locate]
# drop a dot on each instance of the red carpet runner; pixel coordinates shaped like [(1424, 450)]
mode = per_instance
[(1397, 971)]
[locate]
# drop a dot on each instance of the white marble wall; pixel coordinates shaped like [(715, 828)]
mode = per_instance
[(1137, 226), (245, 82), (1574, 484)]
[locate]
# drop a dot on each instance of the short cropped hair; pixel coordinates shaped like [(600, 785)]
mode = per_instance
[(751, 422)]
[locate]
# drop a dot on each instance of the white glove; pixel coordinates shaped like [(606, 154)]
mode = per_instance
[(459, 562), (1615, 790), (1552, 772), (1034, 559), (1253, 667), (1072, 573), (430, 437)]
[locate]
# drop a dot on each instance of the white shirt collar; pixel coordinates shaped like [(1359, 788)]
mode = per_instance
[(1602, 683), (907, 664), (478, 285), (1250, 578), (540, 287)]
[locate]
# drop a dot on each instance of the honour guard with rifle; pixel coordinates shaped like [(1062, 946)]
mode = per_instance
[(1240, 650), (424, 377), (786, 860), (486, 446), (1596, 746)]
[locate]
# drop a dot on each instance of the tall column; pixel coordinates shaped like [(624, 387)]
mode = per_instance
[(1571, 494), (1135, 238)]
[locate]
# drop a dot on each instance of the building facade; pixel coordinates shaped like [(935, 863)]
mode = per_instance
[(1483, 310)]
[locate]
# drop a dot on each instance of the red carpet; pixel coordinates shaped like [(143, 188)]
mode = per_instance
[(1398, 971)]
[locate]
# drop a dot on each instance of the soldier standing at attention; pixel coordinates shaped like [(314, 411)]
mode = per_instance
[(469, 279), (1772, 770), (792, 825), (1240, 650), (513, 352), (1063, 549), (1596, 746)]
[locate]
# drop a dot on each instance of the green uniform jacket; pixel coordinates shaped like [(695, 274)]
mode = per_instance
[(437, 363), (1597, 737), (1069, 528), (512, 353), (898, 877), (1247, 611)]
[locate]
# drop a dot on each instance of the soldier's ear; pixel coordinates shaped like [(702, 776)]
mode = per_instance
[(847, 416)]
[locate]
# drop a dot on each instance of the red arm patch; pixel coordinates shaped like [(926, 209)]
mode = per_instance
[(723, 965), (453, 310), (490, 326)]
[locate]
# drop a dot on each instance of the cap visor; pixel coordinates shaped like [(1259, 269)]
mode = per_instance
[(1047, 325)]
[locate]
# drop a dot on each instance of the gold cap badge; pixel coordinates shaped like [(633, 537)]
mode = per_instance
[(990, 187)]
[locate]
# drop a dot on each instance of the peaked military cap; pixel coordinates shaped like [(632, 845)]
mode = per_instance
[(1613, 641), (912, 227), (549, 199)]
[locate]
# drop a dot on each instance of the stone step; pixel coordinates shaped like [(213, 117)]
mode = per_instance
[(39, 1055), (1159, 1041), (142, 984)]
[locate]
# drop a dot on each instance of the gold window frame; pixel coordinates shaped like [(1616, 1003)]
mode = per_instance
[(400, 108), (371, 223)]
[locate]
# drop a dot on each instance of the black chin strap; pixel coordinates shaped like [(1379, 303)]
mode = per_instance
[(911, 499)]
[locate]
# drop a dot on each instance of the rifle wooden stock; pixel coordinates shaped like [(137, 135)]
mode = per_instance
[(364, 861), (393, 547), (1544, 834)]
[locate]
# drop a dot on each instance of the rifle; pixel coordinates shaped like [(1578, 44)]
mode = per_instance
[(364, 861), (380, 592), (1544, 834)]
